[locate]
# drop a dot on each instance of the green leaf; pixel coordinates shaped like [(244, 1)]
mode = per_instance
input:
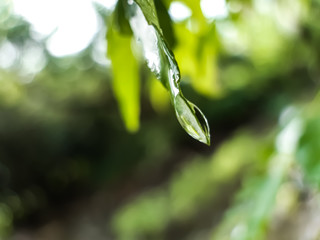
[(159, 96), (149, 11), (308, 155), (165, 23), (120, 21), (161, 61), (126, 83), (189, 116)]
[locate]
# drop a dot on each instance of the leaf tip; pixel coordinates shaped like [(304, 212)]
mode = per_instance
[(192, 119)]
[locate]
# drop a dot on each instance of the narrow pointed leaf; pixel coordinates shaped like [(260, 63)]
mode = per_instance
[(165, 23), (120, 21), (189, 116), (126, 83), (161, 61)]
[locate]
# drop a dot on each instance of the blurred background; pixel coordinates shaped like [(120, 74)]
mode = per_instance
[(71, 168)]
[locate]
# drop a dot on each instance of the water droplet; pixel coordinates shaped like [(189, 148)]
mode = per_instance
[(147, 35), (192, 119), (161, 61)]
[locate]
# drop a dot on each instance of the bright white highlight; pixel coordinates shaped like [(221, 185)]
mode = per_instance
[(100, 48), (288, 138), (33, 59), (179, 12), (109, 4), (43, 15), (8, 54), (214, 9), (147, 35), (72, 23), (76, 30)]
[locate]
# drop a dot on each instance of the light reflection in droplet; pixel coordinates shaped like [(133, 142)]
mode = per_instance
[(146, 34)]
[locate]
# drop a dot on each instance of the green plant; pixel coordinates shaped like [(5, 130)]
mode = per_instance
[(139, 19)]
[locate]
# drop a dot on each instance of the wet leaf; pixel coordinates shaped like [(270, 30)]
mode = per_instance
[(189, 116), (165, 23), (161, 61), (149, 11)]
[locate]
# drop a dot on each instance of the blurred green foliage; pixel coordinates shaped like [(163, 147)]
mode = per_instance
[(254, 73), (193, 187)]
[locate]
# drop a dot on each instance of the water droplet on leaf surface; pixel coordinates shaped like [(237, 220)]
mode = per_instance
[(192, 119), (145, 27)]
